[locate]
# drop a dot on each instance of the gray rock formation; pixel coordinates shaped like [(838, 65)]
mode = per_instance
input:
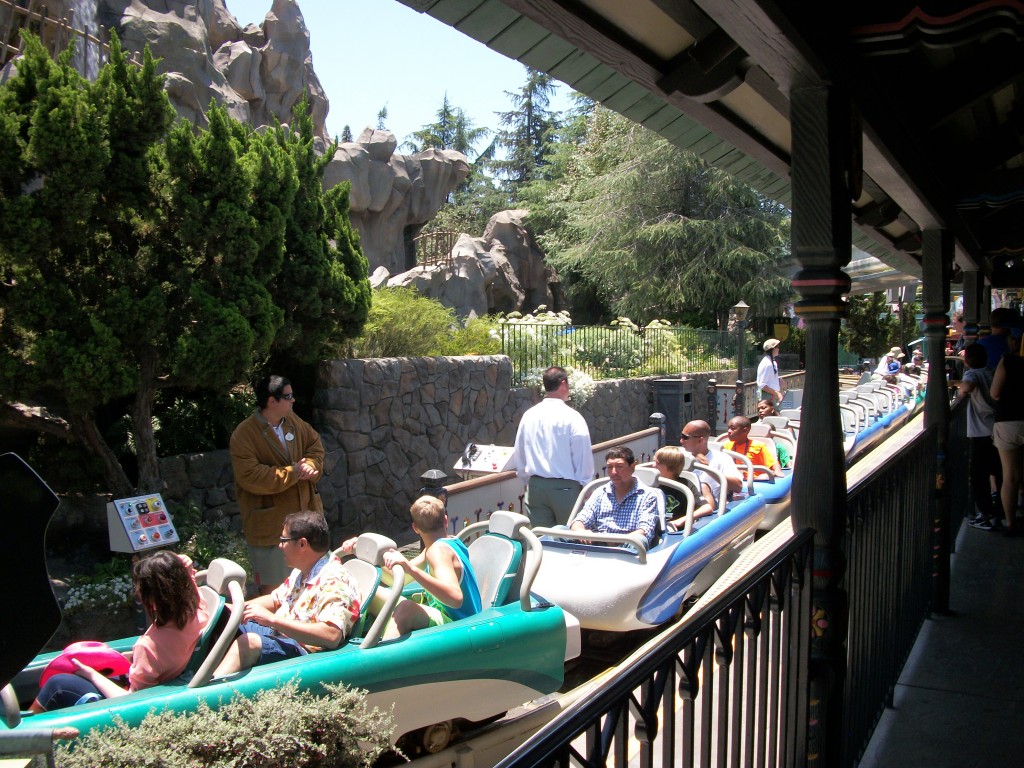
[(393, 196), (258, 73), (503, 271)]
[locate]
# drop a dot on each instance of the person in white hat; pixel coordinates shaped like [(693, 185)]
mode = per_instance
[(769, 384), (893, 355)]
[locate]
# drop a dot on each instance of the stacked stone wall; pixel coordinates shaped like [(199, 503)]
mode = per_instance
[(385, 422)]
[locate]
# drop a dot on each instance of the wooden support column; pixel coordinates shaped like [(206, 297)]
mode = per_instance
[(974, 283), (936, 268), (825, 174)]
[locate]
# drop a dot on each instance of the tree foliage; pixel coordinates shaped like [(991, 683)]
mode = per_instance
[(529, 132), (647, 230), (451, 130), (138, 255), (871, 327)]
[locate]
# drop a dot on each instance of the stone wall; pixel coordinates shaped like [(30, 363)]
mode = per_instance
[(385, 422)]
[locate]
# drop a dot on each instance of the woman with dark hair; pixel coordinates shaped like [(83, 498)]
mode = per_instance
[(167, 589)]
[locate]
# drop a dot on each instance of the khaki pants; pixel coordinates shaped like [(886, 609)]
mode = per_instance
[(549, 500)]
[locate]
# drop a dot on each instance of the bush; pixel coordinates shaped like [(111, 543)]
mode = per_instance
[(402, 323), (476, 337), (277, 728), (204, 538)]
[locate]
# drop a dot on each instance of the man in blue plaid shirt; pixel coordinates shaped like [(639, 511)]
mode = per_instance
[(623, 505)]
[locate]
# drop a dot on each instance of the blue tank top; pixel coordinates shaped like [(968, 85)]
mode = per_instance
[(470, 590)]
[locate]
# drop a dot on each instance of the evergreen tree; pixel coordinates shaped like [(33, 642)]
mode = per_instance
[(647, 230), (871, 327), (529, 132), (346, 134), (382, 118), (451, 130), (137, 256)]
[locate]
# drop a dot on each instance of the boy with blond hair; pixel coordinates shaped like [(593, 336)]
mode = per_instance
[(442, 568)]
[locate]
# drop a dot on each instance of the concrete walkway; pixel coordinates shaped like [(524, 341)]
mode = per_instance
[(960, 700)]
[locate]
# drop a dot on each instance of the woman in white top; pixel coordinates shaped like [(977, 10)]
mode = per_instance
[(768, 382)]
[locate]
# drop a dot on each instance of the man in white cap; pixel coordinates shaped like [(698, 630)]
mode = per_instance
[(885, 365), (769, 384)]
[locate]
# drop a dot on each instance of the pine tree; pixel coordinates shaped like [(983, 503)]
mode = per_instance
[(647, 230), (529, 132), (137, 256)]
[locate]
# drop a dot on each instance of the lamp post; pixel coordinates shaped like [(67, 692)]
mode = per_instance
[(740, 310)]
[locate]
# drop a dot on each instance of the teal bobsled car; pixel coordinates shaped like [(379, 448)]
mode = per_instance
[(511, 652)]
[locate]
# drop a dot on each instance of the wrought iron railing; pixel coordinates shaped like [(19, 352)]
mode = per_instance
[(55, 33), (434, 248), (888, 582), (728, 687), (610, 352)]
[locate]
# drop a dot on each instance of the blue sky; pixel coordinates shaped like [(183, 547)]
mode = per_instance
[(374, 53)]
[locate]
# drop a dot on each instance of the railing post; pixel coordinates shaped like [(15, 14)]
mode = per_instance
[(712, 393), (937, 263), (737, 400), (825, 177), (658, 420)]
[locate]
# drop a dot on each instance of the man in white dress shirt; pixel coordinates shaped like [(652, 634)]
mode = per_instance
[(553, 455), (694, 440)]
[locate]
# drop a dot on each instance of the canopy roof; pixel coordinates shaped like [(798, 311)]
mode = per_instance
[(937, 85)]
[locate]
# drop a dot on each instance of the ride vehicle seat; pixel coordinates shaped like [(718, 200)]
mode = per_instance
[(496, 558), (367, 569), (222, 586)]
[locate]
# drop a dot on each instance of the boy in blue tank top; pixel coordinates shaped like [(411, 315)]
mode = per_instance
[(442, 568)]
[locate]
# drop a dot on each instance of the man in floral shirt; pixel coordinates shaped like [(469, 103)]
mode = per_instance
[(313, 610)]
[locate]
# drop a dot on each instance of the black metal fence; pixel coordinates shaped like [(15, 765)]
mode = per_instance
[(888, 582), (957, 476), (726, 688), (615, 352)]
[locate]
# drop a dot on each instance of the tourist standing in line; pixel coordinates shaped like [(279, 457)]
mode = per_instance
[(277, 460), (983, 460), (553, 455), (769, 385), (997, 343), (1008, 431)]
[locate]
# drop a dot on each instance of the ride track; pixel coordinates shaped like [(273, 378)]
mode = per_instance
[(523, 655)]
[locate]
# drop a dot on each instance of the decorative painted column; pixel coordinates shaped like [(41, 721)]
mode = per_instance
[(825, 179), (936, 268), (974, 283)]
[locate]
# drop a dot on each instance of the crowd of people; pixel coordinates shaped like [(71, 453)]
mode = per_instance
[(992, 382)]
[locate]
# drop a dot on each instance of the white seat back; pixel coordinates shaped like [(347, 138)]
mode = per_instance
[(497, 557), (760, 429)]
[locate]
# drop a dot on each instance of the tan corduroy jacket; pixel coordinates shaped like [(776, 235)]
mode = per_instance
[(266, 484)]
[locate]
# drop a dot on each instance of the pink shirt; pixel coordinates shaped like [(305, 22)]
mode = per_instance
[(162, 653)]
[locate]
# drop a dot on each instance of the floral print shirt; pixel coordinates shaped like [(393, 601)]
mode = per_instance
[(328, 594)]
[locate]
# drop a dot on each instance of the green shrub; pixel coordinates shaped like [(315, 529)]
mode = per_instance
[(277, 728), (205, 537), (402, 323), (477, 337)]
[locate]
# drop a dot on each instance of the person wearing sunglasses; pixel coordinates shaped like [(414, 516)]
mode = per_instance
[(313, 610), (694, 440), (277, 459)]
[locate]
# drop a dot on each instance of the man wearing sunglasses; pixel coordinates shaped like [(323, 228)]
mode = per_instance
[(694, 440), (277, 460)]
